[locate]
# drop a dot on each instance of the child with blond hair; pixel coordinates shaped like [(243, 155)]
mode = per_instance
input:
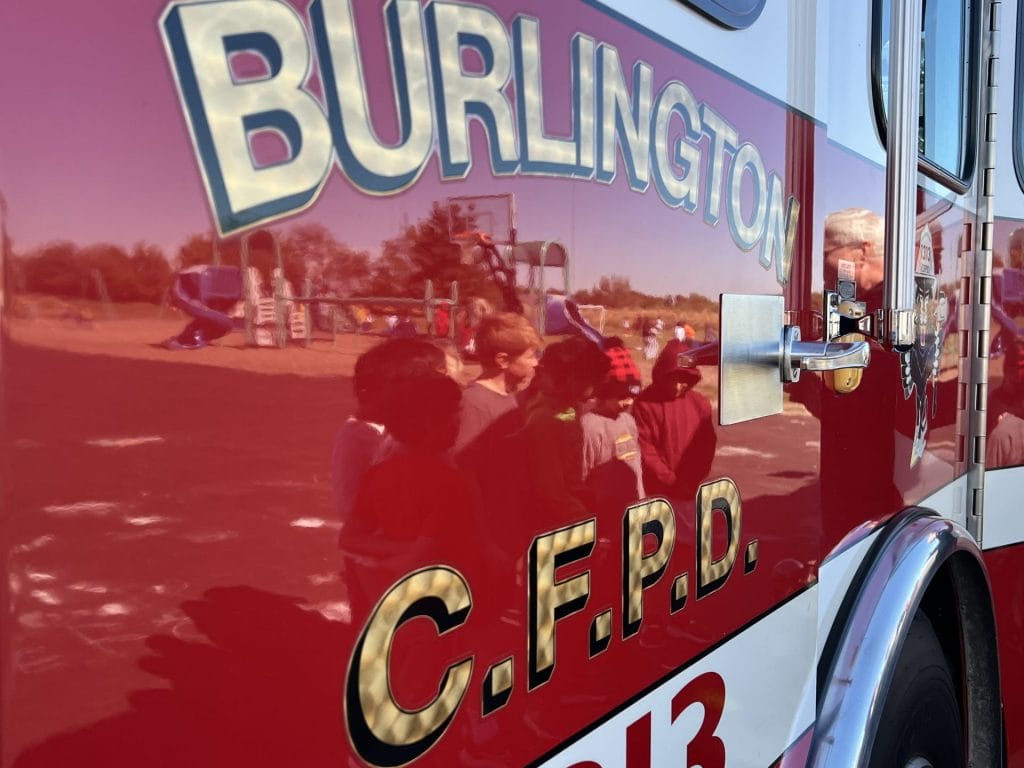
[(506, 345)]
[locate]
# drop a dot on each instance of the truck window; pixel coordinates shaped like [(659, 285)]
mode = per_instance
[(948, 53), (734, 14), (1018, 101)]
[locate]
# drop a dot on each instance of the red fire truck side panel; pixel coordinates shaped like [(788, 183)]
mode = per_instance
[(194, 577)]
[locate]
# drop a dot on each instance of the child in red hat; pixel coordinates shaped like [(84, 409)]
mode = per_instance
[(611, 448)]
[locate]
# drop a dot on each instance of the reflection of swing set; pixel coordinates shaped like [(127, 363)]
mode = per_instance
[(285, 316), (484, 229), (429, 305)]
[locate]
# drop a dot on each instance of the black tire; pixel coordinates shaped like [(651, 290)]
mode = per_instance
[(921, 723)]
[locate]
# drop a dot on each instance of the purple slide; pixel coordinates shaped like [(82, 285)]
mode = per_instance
[(208, 294)]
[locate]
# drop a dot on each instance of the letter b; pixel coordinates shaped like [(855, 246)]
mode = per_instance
[(224, 111)]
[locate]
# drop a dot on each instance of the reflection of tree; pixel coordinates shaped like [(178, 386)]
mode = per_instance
[(307, 250), (425, 252), (616, 291), (63, 269), (334, 265), (422, 252)]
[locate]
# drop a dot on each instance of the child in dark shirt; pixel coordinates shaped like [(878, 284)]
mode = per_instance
[(411, 494), (677, 438), (362, 440), (569, 373)]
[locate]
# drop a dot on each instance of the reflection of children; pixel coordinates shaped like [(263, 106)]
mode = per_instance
[(361, 441), (553, 439), (506, 345), (416, 487), (611, 450), (405, 328), (490, 414), (684, 332), (677, 439), (476, 310), (464, 332), (409, 503), (452, 361), (363, 318), (442, 320), (651, 340)]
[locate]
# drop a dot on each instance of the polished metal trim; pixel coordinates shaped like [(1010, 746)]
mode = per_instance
[(862, 670), (977, 266), (901, 172), (843, 316), (820, 355)]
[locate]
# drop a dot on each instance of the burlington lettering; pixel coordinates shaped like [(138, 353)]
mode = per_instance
[(662, 134)]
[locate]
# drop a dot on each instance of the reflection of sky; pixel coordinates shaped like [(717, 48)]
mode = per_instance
[(106, 156), (93, 144)]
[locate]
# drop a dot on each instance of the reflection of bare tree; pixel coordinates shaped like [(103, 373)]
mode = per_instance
[(424, 251), (337, 267)]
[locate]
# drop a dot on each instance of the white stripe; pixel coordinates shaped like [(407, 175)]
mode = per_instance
[(834, 579), (1004, 517), (949, 501), (769, 675)]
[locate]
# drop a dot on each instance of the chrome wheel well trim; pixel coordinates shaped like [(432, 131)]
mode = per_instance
[(917, 546)]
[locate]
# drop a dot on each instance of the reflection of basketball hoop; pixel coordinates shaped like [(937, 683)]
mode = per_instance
[(493, 215), (469, 244)]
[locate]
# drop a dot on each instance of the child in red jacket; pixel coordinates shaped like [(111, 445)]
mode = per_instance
[(677, 438)]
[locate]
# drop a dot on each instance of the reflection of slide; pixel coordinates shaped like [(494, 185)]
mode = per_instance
[(562, 315), (208, 294)]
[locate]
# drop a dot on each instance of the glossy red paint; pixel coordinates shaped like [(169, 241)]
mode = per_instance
[(176, 592), (1007, 594), (1004, 422), (796, 756)]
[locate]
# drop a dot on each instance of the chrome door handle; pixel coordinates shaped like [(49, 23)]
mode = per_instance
[(820, 355), (758, 354)]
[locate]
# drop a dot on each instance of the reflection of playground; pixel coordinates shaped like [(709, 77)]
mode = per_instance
[(484, 229), (257, 298), (221, 299)]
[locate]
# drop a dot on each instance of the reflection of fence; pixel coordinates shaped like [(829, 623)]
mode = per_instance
[(429, 304), (283, 315)]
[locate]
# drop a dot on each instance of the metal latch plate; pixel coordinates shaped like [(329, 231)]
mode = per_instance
[(750, 333)]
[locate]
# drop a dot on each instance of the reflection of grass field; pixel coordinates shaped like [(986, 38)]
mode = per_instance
[(139, 480), (700, 320), (135, 330)]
